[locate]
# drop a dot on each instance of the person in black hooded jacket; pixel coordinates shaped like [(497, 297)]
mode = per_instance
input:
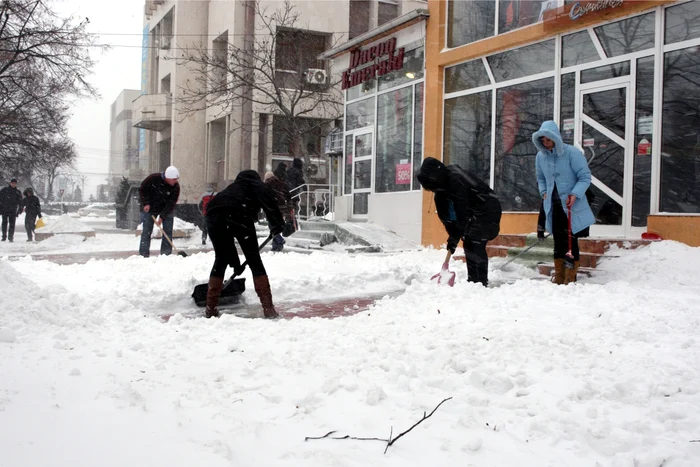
[(468, 209), (232, 214), (32, 208)]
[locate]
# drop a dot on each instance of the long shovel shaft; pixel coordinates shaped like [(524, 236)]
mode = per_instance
[(245, 263), (521, 253), (162, 231)]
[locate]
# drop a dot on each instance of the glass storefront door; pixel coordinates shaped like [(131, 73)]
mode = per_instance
[(362, 176), (605, 132)]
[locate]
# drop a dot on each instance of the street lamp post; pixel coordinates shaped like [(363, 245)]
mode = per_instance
[(60, 192)]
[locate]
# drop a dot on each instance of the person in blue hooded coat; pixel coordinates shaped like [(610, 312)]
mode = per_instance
[(563, 177), (469, 210)]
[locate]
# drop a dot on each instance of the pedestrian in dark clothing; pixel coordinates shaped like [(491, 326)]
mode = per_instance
[(468, 209), (159, 193), (281, 171), (284, 201), (206, 197), (295, 179), (232, 214), (563, 177), (10, 208), (32, 209)]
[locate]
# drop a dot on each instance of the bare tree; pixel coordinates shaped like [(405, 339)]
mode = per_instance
[(44, 62), (53, 159), (266, 71)]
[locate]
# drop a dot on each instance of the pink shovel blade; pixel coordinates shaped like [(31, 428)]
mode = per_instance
[(446, 275)]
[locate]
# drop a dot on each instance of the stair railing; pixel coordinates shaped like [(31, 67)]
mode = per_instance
[(313, 200)]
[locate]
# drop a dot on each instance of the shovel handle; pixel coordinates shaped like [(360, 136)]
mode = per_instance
[(245, 263), (164, 234)]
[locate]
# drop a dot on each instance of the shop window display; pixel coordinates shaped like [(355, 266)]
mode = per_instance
[(468, 133), (520, 110), (680, 148), (394, 127), (524, 61)]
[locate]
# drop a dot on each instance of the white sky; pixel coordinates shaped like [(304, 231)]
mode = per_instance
[(120, 24)]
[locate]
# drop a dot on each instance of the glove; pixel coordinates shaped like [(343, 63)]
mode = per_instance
[(540, 235), (452, 244)]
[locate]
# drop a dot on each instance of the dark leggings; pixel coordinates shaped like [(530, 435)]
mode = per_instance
[(222, 231), (477, 260), (560, 225)]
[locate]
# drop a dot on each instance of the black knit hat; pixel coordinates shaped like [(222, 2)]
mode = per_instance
[(14, 180)]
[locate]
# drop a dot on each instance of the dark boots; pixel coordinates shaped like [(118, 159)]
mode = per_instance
[(213, 293), (262, 288)]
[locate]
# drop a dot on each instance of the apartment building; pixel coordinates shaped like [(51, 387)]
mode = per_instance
[(214, 140), (124, 160)]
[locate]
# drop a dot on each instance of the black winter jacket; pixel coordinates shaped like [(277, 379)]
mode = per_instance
[(295, 175), (160, 196), (466, 205), (10, 201), (243, 199), (32, 206)]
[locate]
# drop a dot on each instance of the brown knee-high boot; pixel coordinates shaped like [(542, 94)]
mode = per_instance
[(570, 274), (213, 293), (262, 288), (559, 272)]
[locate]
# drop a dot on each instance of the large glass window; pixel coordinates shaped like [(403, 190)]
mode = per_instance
[(394, 137), (627, 36), (513, 14), (347, 176), (359, 114), (567, 109), (469, 21), (680, 148), (468, 133), (520, 110), (644, 126), (682, 22), (413, 68), (417, 134), (466, 76), (524, 61), (577, 49)]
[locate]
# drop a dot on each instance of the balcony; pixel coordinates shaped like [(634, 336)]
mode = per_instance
[(152, 111)]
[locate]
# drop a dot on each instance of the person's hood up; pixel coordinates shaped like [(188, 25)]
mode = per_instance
[(551, 131), (298, 163), (248, 176), (433, 174)]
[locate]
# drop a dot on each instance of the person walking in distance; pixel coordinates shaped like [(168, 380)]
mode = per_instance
[(206, 197), (468, 209), (284, 201), (159, 193), (10, 208), (32, 209), (563, 177), (231, 215)]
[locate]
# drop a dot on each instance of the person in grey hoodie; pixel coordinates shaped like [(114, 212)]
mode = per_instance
[(563, 177)]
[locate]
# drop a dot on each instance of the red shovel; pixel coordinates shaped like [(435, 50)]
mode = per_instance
[(445, 272), (569, 262)]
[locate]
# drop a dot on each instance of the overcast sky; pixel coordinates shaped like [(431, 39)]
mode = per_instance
[(119, 23)]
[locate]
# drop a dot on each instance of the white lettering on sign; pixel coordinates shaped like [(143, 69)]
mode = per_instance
[(578, 10)]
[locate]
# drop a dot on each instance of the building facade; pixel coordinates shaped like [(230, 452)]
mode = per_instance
[(621, 79), (382, 76), (212, 142), (124, 160)]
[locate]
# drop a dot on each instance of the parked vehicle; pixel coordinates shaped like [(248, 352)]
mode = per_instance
[(98, 210)]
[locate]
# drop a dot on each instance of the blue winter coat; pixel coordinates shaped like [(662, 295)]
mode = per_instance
[(566, 166)]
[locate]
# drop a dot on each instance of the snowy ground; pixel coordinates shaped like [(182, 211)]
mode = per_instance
[(602, 373), (107, 238)]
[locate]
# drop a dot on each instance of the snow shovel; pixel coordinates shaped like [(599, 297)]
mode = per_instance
[(569, 258), (231, 289), (181, 253), (521, 253), (445, 272)]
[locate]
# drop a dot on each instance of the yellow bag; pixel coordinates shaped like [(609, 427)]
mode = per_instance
[(39, 223)]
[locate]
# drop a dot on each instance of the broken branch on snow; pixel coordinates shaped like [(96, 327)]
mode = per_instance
[(389, 441)]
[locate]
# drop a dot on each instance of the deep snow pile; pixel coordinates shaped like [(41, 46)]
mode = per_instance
[(602, 373), (64, 224)]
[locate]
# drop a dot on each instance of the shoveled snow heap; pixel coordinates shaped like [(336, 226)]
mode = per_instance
[(63, 224)]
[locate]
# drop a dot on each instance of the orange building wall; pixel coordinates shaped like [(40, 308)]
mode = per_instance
[(437, 58), (684, 229)]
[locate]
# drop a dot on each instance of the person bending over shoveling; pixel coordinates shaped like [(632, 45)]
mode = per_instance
[(232, 214), (468, 209)]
